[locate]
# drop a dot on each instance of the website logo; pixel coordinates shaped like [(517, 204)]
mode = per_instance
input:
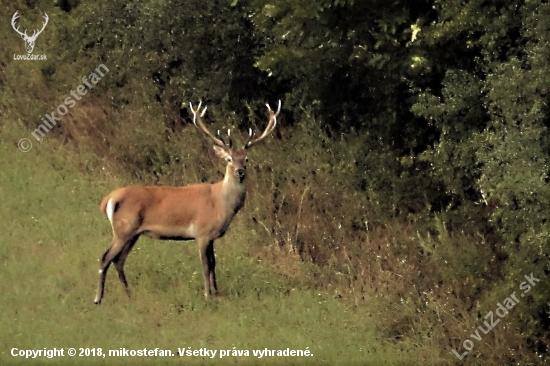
[(29, 40)]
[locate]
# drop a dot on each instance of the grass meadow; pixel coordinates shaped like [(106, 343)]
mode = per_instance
[(53, 235)]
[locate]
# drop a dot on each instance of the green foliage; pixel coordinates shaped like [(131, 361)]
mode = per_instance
[(492, 115), (337, 55), (173, 52)]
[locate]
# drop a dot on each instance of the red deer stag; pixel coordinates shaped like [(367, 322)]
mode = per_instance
[(199, 211)]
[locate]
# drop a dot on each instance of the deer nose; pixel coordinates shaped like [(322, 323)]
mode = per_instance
[(241, 172)]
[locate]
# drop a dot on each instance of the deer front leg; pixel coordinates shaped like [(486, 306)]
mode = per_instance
[(205, 246), (212, 266)]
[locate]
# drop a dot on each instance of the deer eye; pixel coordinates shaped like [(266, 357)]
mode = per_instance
[(246, 160), (229, 159)]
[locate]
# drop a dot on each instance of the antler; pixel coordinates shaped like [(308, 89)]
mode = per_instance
[(197, 120), (13, 20), (35, 34), (270, 127), (24, 34)]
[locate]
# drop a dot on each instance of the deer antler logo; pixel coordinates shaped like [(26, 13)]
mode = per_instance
[(29, 40)]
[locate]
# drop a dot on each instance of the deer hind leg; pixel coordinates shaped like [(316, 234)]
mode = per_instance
[(114, 250), (119, 260), (205, 248)]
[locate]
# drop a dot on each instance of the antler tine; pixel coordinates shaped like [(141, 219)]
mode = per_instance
[(269, 128), (197, 120), (230, 142), (46, 18), (250, 136)]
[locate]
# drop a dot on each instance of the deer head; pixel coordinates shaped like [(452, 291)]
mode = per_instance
[(236, 158)]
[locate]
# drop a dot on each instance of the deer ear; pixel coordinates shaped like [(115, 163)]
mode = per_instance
[(221, 153)]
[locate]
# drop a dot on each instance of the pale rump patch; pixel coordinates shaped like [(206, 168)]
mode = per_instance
[(100, 271), (110, 210)]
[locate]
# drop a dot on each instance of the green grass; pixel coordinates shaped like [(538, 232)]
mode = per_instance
[(52, 237)]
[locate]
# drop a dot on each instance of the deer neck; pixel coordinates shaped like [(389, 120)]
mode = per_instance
[(233, 192)]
